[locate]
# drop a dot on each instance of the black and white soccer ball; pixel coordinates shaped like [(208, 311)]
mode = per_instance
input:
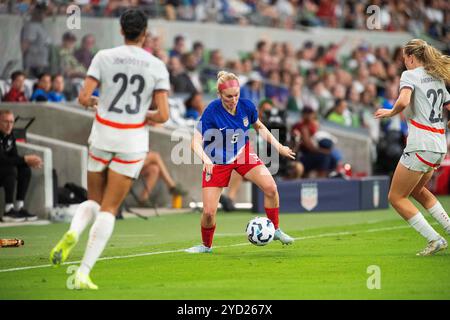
[(260, 231)]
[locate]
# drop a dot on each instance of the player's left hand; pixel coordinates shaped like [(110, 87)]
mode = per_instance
[(287, 152), (382, 113)]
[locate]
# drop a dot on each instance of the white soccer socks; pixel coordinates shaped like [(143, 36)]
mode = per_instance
[(99, 235), (422, 226), (438, 213), (85, 213)]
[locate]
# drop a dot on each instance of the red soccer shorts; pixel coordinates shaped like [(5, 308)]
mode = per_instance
[(246, 160)]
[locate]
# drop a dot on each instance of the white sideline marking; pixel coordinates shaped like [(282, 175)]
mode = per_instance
[(233, 245)]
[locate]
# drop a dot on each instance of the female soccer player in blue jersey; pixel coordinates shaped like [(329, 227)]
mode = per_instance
[(222, 142)]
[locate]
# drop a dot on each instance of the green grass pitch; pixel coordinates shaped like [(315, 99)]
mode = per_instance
[(329, 260)]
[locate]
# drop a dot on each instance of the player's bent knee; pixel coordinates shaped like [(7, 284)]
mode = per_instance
[(209, 212), (270, 190), (393, 198), (417, 194)]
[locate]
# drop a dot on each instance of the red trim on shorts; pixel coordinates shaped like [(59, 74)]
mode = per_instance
[(126, 161), (424, 127), (118, 125), (98, 159), (433, 165)]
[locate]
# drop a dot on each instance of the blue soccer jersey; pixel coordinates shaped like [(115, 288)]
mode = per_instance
[(224, 134)]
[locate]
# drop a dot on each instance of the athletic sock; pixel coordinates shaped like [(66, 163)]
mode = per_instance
[(84, 214), (422, 226), (438, 213), (272, 214), (18, 205), (8, 207), (207, 236), (99, 235)]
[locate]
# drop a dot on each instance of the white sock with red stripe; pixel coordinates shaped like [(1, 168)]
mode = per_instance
[(85, 214), (99, 235), (438, 213), (422, 226)]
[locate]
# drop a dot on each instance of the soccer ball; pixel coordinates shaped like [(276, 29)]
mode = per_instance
[(260, 231)]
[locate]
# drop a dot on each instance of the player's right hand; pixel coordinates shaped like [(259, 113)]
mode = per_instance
[(208, 167), (33, 161)]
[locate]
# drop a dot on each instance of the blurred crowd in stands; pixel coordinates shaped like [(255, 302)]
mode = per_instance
[(295, 86), (420, 17)]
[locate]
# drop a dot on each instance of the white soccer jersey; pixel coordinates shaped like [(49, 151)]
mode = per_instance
[(426, 127), (128, 76)]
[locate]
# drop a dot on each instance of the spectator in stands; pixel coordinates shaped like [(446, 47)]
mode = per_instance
[(198, 49), (194, 106), (148, 43), (264, 107), (69, 65), (153, 169), (57, 93), (215, 64), (14, 171), (275, 90), (313, 156), (296, 100), (35, 43), (85, 53), (216, 59), (306, 55), (179, 47), (253, 89), (190, 63), (340, 114), (17, 91), (42, 88), (179, 79)]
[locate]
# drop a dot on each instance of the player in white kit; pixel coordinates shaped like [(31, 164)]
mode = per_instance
[(130, 81), (422, 88)]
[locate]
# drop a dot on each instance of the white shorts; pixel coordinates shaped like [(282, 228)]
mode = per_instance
[(422, 161), (127, 164)]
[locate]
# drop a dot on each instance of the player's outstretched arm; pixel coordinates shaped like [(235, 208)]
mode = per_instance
[(262, 130), (402, 102), (161, 101), (85, 97)]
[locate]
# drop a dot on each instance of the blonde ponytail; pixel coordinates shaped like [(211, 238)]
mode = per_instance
[(437, 64), (434, 62)]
